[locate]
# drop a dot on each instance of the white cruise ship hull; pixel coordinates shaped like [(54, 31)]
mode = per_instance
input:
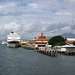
[(13, 44)]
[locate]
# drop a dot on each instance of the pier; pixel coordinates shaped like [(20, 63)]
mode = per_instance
[(49, 52), (42, 50), (70, 52), (28, 46)]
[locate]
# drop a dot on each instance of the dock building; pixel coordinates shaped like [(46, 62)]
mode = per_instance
[(70, 40), (41, 41)]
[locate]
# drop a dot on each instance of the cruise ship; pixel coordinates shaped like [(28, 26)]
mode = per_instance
[(13, 40)]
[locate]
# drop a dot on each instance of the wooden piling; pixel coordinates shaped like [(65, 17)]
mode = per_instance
[(48, 52)]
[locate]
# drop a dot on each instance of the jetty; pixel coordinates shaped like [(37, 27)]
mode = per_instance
[(70, 52), (65, 49), (42, 50), (49, 52), (28, 46)]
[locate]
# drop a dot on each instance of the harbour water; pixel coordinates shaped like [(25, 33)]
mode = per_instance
[(19, 61)]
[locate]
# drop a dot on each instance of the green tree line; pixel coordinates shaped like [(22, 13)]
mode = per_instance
[(57, 41)]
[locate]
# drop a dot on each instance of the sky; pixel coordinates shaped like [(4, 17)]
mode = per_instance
[(31, 17)]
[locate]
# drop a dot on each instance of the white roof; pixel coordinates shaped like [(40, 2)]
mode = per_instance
[(71, 39), (64, 46)]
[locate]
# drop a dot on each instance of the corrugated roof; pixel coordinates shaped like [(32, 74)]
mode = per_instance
[(70, 41)]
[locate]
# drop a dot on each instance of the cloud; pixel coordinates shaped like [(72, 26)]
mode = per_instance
[(33, 5), (63, 13), (49, 29), (12, 26), (31, 17), (10, 14), (73, 26), (1, 7), (33, 29)]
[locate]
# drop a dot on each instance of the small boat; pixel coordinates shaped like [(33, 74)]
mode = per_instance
[(4, 43)]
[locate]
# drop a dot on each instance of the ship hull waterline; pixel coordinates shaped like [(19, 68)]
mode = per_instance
[(13, 44)]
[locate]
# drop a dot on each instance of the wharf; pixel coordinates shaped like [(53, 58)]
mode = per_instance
[(29, 47), (70, 52), (50, 52)]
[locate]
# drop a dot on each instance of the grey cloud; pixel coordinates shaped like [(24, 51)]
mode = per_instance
[(36, 28), (73, 26), (50, 27), (13, 14), (39, 27), (10, 14), (46, 21)]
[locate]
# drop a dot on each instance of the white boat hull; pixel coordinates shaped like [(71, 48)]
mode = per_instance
[(13, 44)]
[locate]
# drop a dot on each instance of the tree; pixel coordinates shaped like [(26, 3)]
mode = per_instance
[(73, 43), (57, 41)]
